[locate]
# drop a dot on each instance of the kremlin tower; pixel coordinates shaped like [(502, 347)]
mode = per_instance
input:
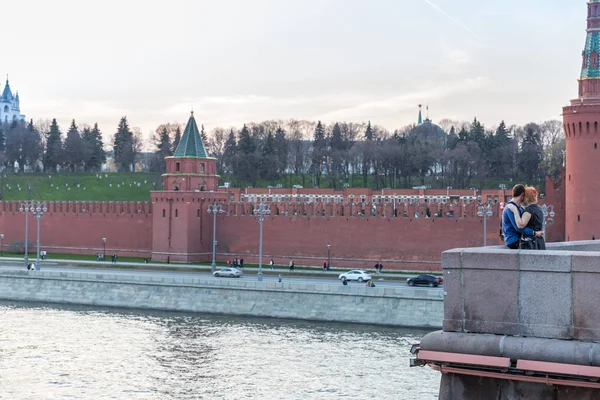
[(580, 122)]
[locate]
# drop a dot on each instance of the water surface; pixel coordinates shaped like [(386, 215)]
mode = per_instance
[(55, 352)]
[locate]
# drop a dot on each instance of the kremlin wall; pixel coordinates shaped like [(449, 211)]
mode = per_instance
[(403, 229)]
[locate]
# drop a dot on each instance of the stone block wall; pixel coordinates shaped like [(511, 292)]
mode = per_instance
[(543, 294), (402, 307)]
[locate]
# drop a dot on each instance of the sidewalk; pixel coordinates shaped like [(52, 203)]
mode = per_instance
[(300, 271)]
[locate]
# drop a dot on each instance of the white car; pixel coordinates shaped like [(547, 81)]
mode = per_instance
[(356, 275), (228, 272)]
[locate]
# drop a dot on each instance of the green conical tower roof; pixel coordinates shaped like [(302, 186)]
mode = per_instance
[(420, 120), (191, 143)]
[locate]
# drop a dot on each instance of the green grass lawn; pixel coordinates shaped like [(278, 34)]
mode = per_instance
[(80, 186)]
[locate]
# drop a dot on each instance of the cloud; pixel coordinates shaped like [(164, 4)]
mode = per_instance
[(408, 100), (455, 20)]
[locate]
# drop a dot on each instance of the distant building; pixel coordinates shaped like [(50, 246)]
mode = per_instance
[(10, 107)]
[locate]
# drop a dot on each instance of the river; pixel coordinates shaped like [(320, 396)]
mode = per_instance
[(72, 352)]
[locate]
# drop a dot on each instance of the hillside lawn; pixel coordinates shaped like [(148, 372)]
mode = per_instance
[(126, 186)]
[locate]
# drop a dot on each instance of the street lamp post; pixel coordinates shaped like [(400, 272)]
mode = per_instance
[(263, 211), (328, 256), (215, 209), (2, 245), (549, 214), (37, 209), (104, 250), (485, 211), (25, 208)]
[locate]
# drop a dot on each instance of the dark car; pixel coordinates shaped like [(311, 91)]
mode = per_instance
[(425, 280)]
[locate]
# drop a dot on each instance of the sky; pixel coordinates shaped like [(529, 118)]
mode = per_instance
[(237, 61)]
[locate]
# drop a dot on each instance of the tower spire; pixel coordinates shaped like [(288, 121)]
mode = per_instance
[(420, 120), (590, 68)]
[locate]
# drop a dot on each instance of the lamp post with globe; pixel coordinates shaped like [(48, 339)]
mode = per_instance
[(549, 214), (484, 211), (214, 209), (37, 209), (263, 211)]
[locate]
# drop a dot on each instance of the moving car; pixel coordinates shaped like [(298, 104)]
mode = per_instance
[(356, 275), (425, 280), (228, 272)]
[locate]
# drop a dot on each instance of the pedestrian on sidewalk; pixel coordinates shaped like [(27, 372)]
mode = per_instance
[(292, 265), (241, 263), (271, 264), (344, 281), (280, 279)]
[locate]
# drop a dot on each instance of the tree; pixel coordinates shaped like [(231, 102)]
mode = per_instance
[(203, 135), (335, 155), (268, 160), (74, 150), (230, 153), (215, 146), (53, 156), (95, 154), (23, 146), (123, 147), (177, 138), (282, 148), (247, 162), (319, 153), (163, 145), (367, 153), (531, 154)]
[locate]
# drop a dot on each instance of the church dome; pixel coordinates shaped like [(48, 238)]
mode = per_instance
[(430, 132)]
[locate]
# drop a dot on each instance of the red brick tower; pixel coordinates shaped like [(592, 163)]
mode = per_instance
[(581, 121), (181, 227)]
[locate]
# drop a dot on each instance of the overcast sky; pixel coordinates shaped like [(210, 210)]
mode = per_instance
[(237, 61)]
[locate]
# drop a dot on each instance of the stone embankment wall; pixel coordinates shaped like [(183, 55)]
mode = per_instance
[(402, 307)]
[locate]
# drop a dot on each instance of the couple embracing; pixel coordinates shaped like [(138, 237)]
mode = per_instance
[(523, 220)]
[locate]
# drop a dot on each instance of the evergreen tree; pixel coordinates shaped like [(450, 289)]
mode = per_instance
[(123, 147), (203, 135), (247, 162), (177, 139), (23, 146), (230, 153), (477, 133), (54, 151), (335, 157), (95, 154), (163, 145), (531, 154), (282, 149), (74, 150), (319, 153), (268, 161), (367, 155)]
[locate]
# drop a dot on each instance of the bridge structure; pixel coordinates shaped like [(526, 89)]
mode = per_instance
[(518, 324)]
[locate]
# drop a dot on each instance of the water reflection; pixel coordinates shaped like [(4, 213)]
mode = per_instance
[(79, 352)]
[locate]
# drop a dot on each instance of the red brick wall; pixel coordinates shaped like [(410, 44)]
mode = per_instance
[(139, 229), (74, 227)]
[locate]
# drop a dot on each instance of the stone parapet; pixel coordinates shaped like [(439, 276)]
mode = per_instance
[(543, 294)]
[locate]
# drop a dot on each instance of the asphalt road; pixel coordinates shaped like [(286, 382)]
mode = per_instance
[(249, 275)]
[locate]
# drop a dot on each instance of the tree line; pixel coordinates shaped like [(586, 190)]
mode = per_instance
[(456, 154), (42, 147)]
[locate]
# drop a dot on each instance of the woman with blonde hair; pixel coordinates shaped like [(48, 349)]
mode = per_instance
[(533, 217)]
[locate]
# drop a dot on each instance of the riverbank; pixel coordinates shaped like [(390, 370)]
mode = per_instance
[(390, 306)]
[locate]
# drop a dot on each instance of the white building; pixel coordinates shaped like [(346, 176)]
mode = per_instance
[(10, 108)]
